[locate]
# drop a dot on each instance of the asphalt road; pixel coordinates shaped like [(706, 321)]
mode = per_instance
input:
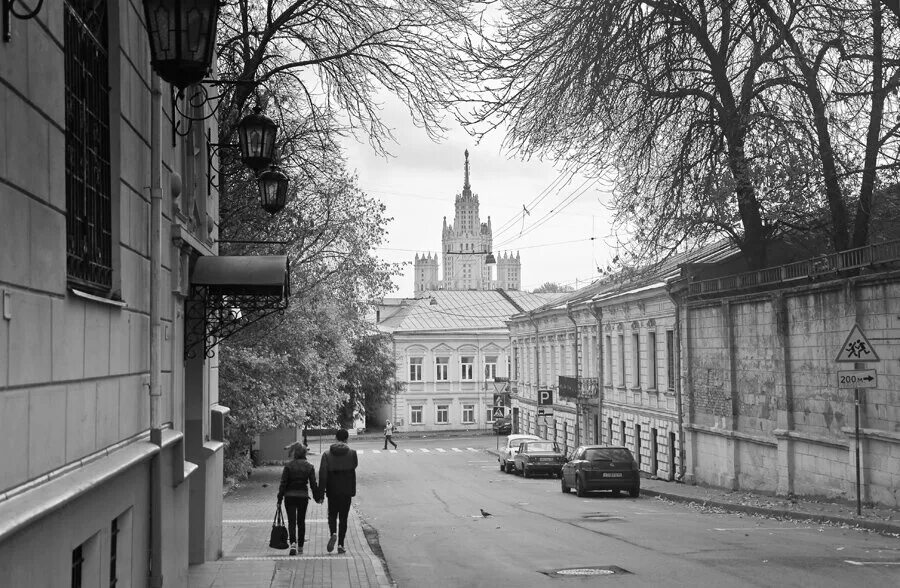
[(425, 506)]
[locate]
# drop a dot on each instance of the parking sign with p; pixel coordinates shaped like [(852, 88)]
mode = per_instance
[(545, 397)]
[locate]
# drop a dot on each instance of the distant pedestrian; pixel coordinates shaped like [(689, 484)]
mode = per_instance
[(296, 476), (388, 433), (337, 479)]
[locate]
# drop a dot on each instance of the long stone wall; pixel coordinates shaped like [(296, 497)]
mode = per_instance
[(761, 388)]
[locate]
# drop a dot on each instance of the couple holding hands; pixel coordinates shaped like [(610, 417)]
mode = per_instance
[(337, 480)]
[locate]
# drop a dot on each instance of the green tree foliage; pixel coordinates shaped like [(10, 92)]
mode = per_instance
[(369, 379), (552, 287), (317, 68), (750, 118)]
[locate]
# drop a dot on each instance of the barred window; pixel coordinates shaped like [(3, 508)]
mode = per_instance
[(88, 207)]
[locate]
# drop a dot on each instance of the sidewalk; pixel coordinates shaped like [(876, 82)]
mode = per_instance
[(248, 561), (878, 519)]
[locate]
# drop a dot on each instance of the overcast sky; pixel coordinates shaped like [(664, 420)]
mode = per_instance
[(419, 184)]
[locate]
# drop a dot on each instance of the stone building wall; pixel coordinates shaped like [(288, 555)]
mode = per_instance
[(761, 387)]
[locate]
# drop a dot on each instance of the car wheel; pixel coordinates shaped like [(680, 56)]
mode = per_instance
[(562, 484), (634, 492), (579, 487), (502, 467)]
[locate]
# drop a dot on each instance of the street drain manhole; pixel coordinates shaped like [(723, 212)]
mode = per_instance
[(582, 572)]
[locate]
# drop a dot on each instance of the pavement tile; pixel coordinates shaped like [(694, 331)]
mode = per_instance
[(247, 560)]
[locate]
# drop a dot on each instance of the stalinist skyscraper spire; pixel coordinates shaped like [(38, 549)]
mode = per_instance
[(465, 244)]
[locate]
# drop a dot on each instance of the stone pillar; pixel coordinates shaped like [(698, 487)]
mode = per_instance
[(784, 393)]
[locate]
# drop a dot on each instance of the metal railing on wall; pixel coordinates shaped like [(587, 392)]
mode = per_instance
[(820, 267)]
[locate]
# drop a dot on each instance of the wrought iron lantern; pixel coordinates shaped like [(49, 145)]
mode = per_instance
[(256, 138), (273, 186), (182, 38)]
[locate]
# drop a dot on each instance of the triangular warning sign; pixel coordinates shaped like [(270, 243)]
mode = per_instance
[(856, 348)]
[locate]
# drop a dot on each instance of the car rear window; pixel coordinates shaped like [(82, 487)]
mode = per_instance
[(544, 446), (608, 454)]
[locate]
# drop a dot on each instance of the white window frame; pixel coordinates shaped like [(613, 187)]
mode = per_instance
[(636, 360), (415, 375), (489, 412), (441, 369), (442, 408), (468, 414), (467, 368), (652, 360), (415, 411), (490, 367)]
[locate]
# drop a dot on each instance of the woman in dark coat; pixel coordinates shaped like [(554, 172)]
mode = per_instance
[(293, 490)]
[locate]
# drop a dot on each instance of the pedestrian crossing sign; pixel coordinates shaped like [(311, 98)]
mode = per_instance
[(856, 348), (499, 412)]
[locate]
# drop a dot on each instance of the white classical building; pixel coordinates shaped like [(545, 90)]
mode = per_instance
[(452, 354), (465, 245)]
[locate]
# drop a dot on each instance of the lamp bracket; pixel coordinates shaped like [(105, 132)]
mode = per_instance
[(193, 98), (211, 318), (9, 9), (212, 171)]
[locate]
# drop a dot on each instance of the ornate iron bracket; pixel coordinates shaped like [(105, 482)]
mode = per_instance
[(211, 318), (195, 97), (9, 10)]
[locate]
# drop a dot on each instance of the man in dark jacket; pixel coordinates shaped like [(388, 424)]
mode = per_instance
[(293, 490), (337, 479)]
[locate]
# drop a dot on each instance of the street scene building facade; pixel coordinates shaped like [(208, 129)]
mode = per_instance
[(730, 382), (452, 354), (465, 246), (111, 429)]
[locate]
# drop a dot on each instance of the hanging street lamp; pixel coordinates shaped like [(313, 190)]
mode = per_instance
[(273, 186), (256, 137), (182, 38)]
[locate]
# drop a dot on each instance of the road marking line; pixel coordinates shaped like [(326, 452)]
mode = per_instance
[(286, 557), (408, 451), (441, 450), (262, 521), (423, 450), (376, 451), (457, 450), (393, 451), (471, 449), (872, 563), (762, 528)]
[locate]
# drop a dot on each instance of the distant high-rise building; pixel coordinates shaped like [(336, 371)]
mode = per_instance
[(465, 245)]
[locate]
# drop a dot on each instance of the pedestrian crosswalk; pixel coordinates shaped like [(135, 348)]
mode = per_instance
[(419, 450)]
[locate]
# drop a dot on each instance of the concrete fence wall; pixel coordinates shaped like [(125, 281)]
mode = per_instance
[(764, 409)]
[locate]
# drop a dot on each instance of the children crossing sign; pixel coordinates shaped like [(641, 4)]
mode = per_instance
[(856, 348), (499, 412)]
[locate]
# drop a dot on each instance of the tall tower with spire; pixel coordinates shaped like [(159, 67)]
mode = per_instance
[(465, 244)]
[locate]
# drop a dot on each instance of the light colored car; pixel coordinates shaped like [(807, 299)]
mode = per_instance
[(508, 452), (539, 457)]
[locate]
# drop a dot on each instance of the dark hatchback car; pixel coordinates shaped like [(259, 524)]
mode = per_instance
[(596, 467), (539, 457), (503, 426)]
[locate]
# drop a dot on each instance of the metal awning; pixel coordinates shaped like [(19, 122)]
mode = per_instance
[(228, 293), (243, 275)]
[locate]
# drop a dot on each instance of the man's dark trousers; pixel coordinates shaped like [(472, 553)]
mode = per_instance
[(338, 508)]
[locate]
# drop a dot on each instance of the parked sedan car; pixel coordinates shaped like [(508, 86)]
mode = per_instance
[(539, 457), (596, 467), (508, 452), (503, 426)]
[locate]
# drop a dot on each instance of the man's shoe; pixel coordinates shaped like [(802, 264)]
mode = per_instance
[(300, 550), (293, 549), (341, 549), (331, 541)]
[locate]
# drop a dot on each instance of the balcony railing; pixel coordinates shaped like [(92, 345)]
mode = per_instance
[(823, 266)]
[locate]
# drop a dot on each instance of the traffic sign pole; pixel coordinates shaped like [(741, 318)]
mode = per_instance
[(858, 481)]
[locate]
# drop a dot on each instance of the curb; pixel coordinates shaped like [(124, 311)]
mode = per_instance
[(877, 526)]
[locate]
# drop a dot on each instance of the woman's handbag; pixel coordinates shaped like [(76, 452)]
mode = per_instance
[(279, 537)]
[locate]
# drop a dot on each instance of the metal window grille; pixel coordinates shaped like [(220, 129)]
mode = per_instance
[(77, 562), (113, 548), (88, 208)]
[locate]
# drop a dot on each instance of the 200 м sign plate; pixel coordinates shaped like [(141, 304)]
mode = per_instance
[(857, 379)]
